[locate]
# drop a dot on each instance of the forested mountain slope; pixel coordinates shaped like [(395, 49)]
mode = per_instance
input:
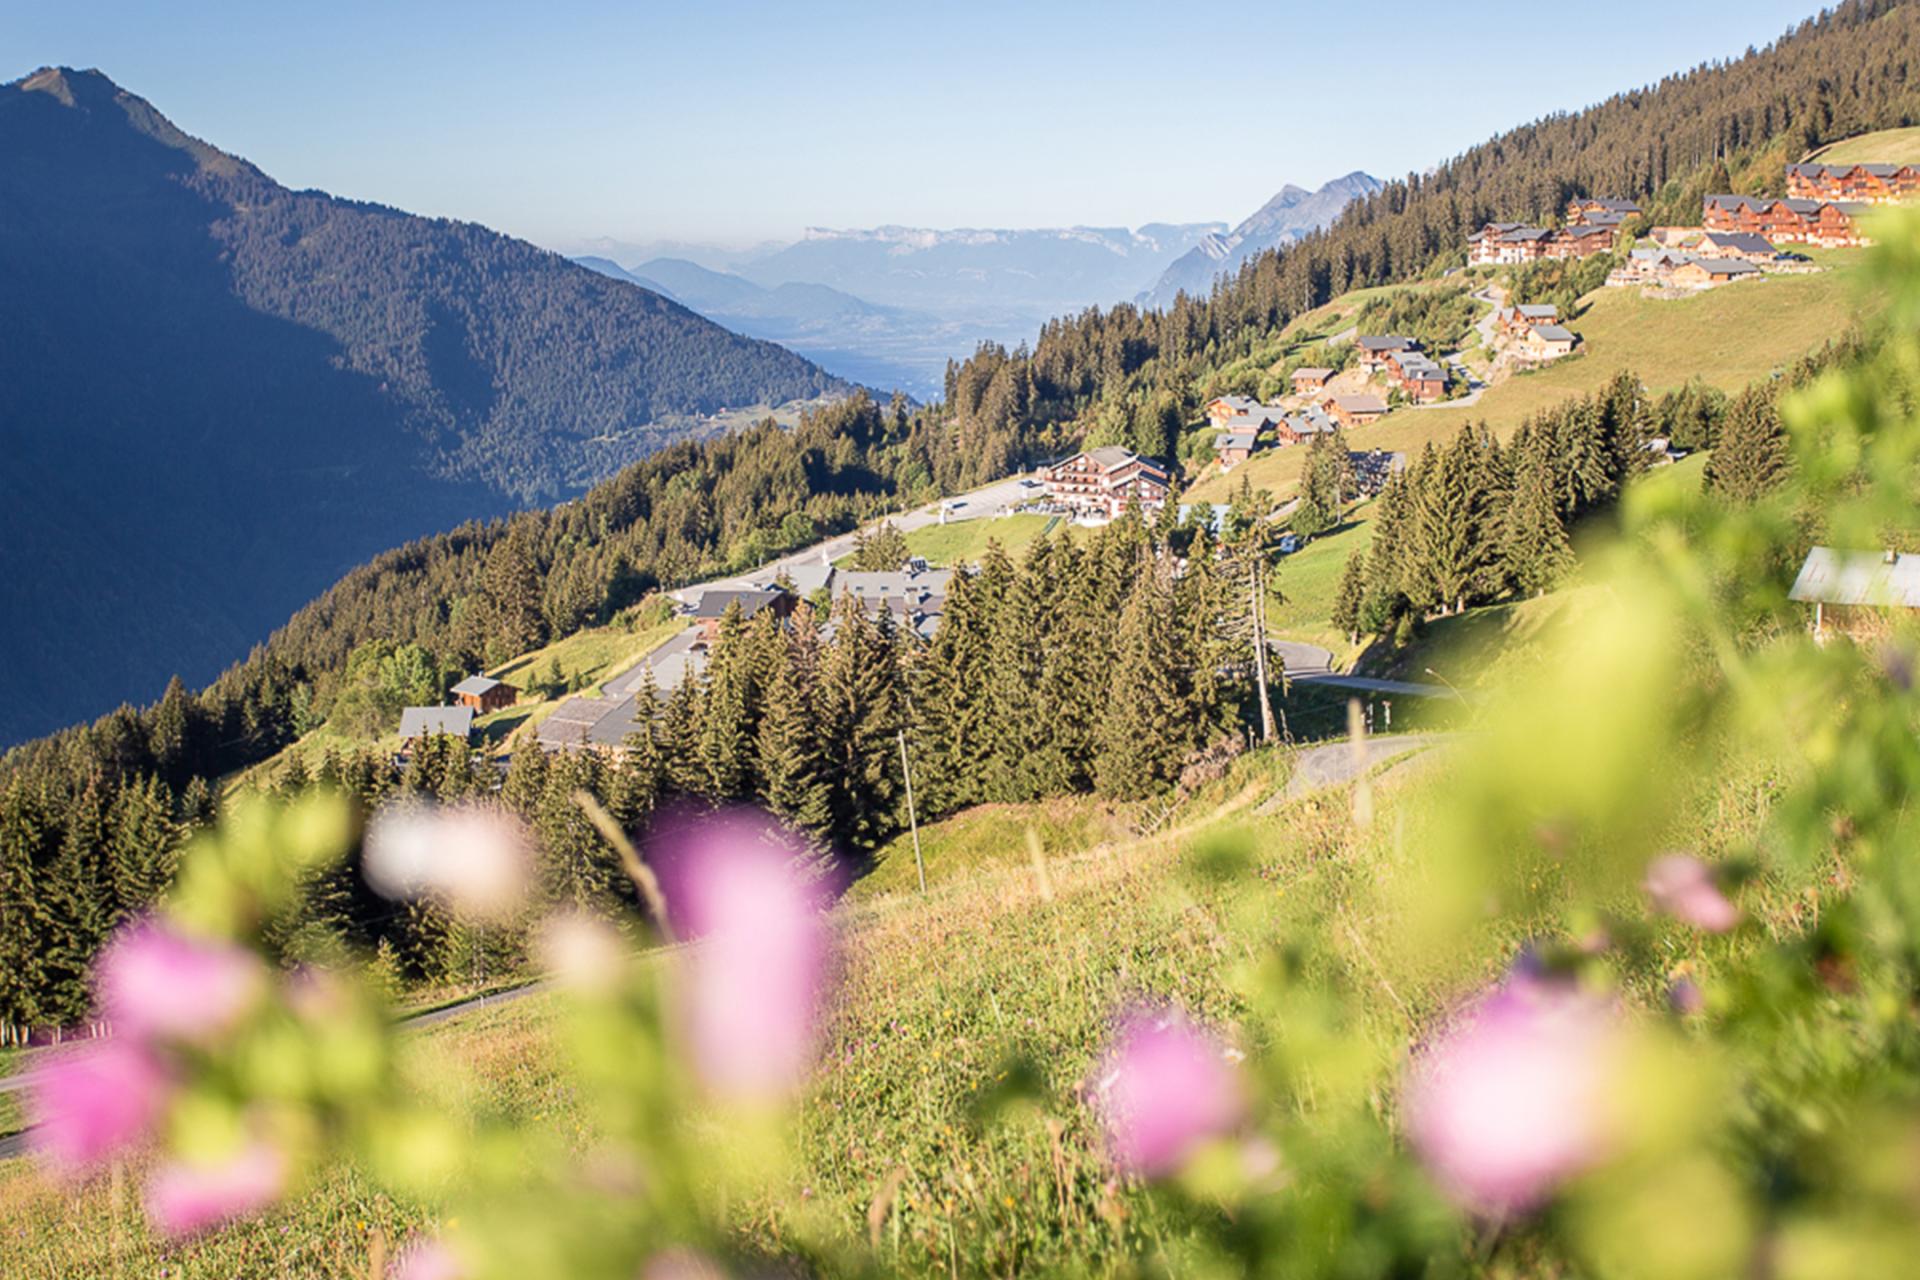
[(217, 394), (1135, 376)]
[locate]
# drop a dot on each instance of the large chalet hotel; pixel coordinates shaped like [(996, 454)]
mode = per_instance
[(1099, 484), (1828, 223), (1862, 183)]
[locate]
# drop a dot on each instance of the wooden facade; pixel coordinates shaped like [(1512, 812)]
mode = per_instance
[(1843, 183), (1791, 221)]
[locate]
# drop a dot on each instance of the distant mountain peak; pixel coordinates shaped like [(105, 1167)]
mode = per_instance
[(1291, 213)]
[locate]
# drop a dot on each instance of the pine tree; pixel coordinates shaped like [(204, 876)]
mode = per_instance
[(1534, 549), (511, 589), (1145, 733), (860, 714), (731, 710), (1751, 459), (952, 722), (1351, 595), (1015, 672), (1451, 525), (142, 844), (791, 768), (577, 865)]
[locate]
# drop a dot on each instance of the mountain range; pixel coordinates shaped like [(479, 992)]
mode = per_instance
[(890, 306), (1292, 213), (217, 394)]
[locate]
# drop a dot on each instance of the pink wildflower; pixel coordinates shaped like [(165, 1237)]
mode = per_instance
[(472, 857), (93, 1103), (1509, 1102), (429, 1260), (1166, 1088), (157, 982), (1683, 886), (756, 978), (187, 1199)]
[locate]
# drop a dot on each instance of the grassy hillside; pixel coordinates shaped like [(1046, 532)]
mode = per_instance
[(963, 541), (1887, 146), (941, 996), (586, 660), (1728, 337)]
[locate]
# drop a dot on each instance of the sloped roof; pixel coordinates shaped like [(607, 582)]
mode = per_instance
[(1537, 310), (1361, 404), (476, 685), (1724, 266), (714, 604), (1234, 440), (1552, 333), (1740, 241), (1607, 203), (1112, 456), (1876, 578), (425, 722), (1385, 342), (1314, 372)]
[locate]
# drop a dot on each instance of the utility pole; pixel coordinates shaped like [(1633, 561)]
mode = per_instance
[(1260, 647), (913, 820)]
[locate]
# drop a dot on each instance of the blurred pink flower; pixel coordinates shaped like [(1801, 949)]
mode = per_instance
[(186, 1199), (757, 972), (93, 1103), (154, 981), (1508, 1102), (582, 953), (1166, 1088), (428, 1260), (1683, 886), (472, 857)]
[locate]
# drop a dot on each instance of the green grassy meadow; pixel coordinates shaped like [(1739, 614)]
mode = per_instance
[(1008, 965), (964, 541), (1888, 146)]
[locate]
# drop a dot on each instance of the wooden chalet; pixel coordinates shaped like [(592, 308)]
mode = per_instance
[(1791, 220), (1515, 321), (1420, 378), (1550, 341), (711, 609), (1699, 272), (1307, 381), (1745, 245), (1516, 243), (1098, 484), (1595, 211), (1222, 408), (1300, 428), (1848, 183), (1377, 353), (1354, 410), (484, 694), (1234, 447)]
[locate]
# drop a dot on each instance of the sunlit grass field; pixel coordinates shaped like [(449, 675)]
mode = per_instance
[(1888, 146), (1010, 967)]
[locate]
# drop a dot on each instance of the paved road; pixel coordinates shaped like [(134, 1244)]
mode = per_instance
[(1337, 763), (15, 1144), (1311, 664)]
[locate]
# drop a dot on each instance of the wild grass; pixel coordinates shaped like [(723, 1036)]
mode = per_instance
[(1008, 969)]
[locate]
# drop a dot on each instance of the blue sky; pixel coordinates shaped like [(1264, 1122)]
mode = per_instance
[(725, 122)]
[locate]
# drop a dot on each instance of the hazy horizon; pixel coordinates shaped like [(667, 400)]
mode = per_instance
[(740, 123)]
